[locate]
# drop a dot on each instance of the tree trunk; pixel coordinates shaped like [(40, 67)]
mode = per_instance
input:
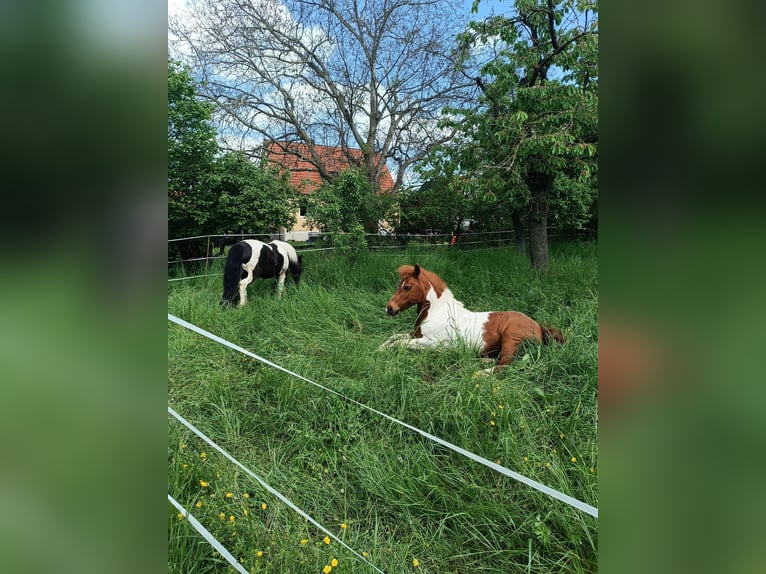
[(519, 233), (539, 185)]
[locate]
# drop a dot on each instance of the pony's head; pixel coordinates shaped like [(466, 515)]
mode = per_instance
[(297, 269), (414, 285)]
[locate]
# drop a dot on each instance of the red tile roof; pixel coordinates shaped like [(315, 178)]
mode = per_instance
[(304, 175)]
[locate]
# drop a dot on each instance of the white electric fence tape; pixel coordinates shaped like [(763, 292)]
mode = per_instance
[(265, 485), (587, 508), (207, 536)]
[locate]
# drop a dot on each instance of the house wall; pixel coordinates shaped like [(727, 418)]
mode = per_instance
[(300, 231)]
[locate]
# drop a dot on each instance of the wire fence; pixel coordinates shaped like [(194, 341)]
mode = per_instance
[(573, 502), (265, 485), (190, 257), (200, 528)]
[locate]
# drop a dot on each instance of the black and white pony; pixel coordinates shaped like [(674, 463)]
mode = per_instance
[(251, 259)]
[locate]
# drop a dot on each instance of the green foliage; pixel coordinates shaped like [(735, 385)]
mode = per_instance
[(531, 139), (191, 151), (339, 209), (441, 203), (250, 198), (401, 497)]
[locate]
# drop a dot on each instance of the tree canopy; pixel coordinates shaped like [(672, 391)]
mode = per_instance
[(530, 141), (210, 192), (191, 150), (372, 76)]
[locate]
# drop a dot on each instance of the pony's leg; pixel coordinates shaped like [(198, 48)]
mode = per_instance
[(408, 341), (394, 340), (243, 288), (507, 352), (281, 283)]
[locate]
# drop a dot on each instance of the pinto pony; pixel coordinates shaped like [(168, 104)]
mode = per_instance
[(251, 259), (443, 320)]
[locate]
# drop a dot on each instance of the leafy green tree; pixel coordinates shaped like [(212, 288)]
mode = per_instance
[(191, 150), (339, 208), (251, 198), (440, 203), (531, 140)]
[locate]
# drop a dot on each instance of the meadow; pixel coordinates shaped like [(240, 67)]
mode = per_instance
[(403, 502)]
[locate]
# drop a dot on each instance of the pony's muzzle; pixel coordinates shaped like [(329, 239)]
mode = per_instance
[(391, 311)]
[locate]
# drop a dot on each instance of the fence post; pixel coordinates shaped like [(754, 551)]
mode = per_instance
[(207, 254)]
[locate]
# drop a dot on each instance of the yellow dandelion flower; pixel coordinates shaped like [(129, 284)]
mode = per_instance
[(494, 414), (326, 539), (334, 562), (245, 512), (365, 554), (183, 446), (204, 484), (198, 504), (500, 406), (327, 569), (492, 423), (259, 553), (246, 495), (526, 458), (203, 455), (229, 495), (304, 540), (561, 435), (574, 459), (180, 516), (264, 506), (184, 466), (231, 518), (547, 465), (415, 562), (221, 515), (343, 525)]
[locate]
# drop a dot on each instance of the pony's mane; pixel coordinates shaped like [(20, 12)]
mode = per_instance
[(426, 276)]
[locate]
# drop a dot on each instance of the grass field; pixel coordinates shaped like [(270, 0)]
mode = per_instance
[(406, 503)]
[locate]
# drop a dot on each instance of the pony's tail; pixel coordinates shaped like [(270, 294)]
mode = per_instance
[(551, 334), (232, 273)]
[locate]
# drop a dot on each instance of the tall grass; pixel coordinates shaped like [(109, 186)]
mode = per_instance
[(400, 497)]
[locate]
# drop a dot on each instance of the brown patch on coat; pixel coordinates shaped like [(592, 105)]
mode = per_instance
[(504, 331)]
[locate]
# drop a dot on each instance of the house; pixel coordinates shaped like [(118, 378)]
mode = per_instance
[(305, 177)]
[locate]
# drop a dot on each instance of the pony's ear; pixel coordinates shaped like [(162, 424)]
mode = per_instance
[(416, 271)]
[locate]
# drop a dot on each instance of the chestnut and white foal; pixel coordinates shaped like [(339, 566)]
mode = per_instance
[(443, 320)]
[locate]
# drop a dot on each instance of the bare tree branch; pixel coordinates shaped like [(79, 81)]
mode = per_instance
[(371, 75)]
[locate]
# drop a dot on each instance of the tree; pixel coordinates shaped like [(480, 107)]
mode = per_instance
[(531, 140), (191, 150), (440, 203), (338, 208), (371, 75), (251, 199)]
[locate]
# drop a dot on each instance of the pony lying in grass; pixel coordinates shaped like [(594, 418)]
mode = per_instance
[(251, 259), (443, 320)]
